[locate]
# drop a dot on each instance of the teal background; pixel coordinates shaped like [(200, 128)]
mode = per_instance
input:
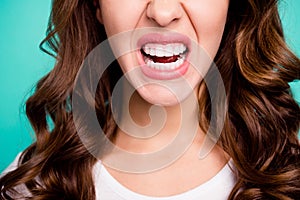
[(23, 24)]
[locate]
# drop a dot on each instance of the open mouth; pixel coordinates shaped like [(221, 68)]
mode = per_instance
[(164, 57)]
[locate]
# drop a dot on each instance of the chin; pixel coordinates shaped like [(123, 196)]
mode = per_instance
[(161, 96)]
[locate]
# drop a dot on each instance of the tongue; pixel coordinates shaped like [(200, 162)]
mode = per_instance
[(164, 59)]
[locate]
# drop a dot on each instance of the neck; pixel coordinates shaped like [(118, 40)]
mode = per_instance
[(146, 128)]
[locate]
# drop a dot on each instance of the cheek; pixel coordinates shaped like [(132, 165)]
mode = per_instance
[(120, 15), (113, 25), (119, 18), (209, 18)]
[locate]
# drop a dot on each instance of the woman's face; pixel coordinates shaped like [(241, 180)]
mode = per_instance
[(166, 39)]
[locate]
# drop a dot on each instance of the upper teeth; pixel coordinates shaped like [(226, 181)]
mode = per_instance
[(167, 50)]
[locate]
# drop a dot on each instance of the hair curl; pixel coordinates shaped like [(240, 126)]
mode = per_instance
[(262, 121)]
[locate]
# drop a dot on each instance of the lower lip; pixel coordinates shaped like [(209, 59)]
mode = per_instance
[(162, 74)]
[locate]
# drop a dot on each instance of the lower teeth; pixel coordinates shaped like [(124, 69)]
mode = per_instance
[(165, 66)]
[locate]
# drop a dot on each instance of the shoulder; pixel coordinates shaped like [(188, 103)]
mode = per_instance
[(21, 189), (12, 166)]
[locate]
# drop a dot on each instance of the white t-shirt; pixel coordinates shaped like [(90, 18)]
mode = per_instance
[(108, 188)]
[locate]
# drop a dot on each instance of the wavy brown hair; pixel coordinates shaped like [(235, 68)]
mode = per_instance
[(262, 121)]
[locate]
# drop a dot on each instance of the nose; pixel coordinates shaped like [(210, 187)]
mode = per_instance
[(164, 12)]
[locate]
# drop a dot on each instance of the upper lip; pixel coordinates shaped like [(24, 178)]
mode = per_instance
[(164, 39)]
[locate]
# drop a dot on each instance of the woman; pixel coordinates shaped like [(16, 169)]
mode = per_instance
[(258, 139)]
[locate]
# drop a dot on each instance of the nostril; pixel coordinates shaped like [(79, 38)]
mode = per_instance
[(164, 12)]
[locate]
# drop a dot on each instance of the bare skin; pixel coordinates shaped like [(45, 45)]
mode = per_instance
[(184, 174), (203, 22)]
